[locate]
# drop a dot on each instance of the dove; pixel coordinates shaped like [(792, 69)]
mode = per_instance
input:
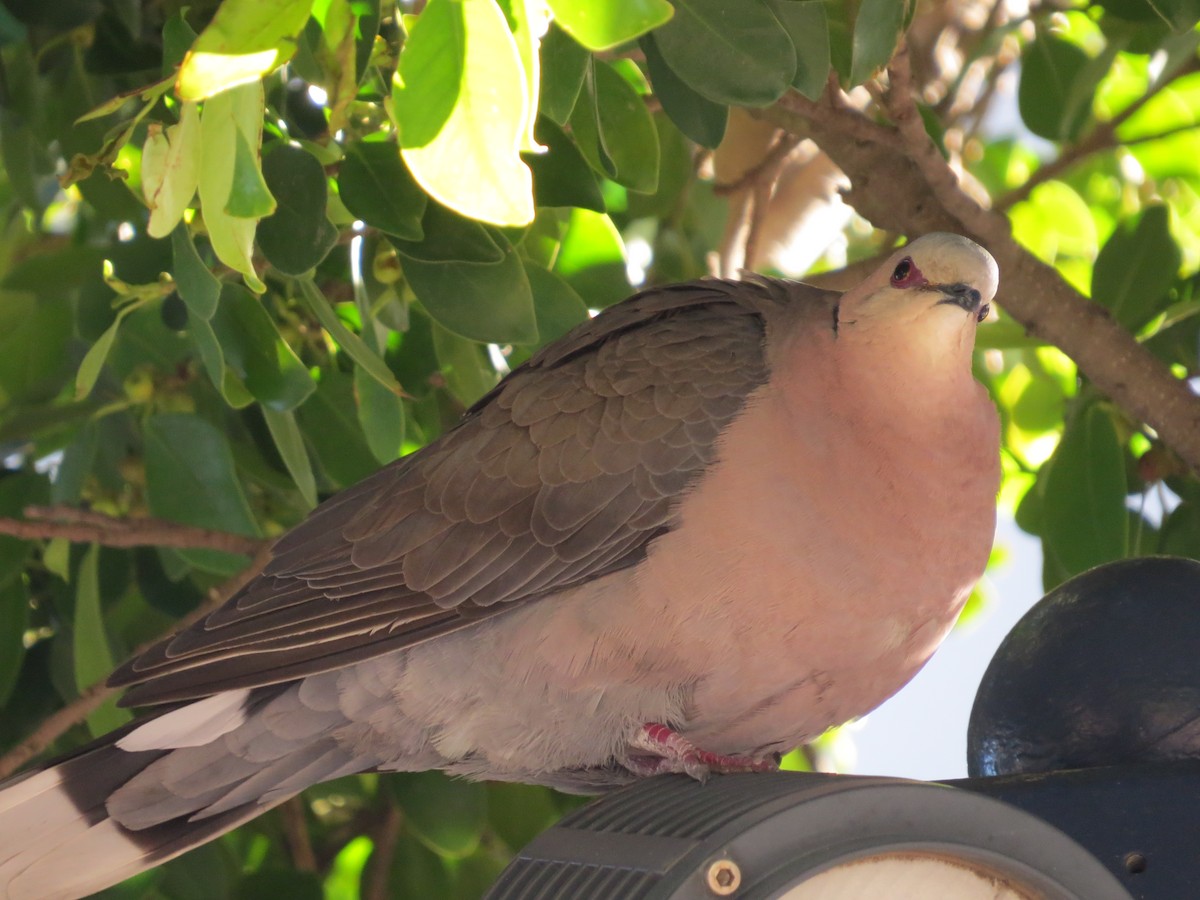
[(696, 531)]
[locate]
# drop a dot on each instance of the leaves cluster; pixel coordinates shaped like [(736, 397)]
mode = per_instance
[(253, 249)]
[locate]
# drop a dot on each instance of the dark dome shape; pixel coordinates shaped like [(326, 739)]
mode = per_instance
[(1104, 670)]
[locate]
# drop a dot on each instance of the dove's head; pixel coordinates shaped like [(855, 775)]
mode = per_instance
[(933, 291)]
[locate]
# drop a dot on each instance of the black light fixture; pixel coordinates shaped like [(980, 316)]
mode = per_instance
[(1085, 744)]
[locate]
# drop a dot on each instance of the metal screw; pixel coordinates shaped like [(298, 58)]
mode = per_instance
[(723, 877)]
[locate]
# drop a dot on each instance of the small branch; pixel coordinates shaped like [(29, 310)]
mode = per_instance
[(91, 697), (86, 526), (765, 169), (1102, 137), (901, 183), (376, 877), (295, 832)]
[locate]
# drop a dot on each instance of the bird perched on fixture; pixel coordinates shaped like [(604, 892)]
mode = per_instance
[(694, 532)]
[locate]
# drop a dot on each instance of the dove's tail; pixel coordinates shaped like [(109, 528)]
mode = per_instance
[(149, 792)]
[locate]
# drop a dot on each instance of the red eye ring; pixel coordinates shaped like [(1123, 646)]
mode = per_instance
[(906, 274)]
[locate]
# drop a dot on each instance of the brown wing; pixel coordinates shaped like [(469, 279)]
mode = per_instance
[(563, 473)]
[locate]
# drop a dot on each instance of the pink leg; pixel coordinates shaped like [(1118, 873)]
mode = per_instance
[(657, 750)]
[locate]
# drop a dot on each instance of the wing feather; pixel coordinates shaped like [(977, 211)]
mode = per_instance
[(563, 473)]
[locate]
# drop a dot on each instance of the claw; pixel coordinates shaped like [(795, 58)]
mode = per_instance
[(657, 750)]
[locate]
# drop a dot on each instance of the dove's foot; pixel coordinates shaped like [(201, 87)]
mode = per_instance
[(657, 750)]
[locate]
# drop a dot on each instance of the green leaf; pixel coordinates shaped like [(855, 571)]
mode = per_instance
[(276, 881), (14, 620), (429, 78), (245, 40), (1083, 505), (448, 237), (330, 423), (249, 196), (1181, 15), (447, 815), (377, 188), (299, 234), (1136, 267), (346, 339), (808, 27), (198, 287), (615, 131), (876, 29), (223, 377), (256, 352), (93, 360), (93, 656), (561, 176), (730, 53), (564, 63), (171, 170), (227, 118), (602, 26), (1051, 104), (290, 443), (559, 308), (17, 491), (592, 259), (695, 115), (190, 478), (462, 55), (177, 38), (459, 284), (463, 365), (381, 415)]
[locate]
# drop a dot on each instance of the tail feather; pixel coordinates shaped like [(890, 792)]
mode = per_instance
[(149, 792)]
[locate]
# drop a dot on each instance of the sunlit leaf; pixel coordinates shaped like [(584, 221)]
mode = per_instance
[(602, 26), (225, 118), (245, 40), (381, 415), (249, 196), (470, 160), (171, 170)]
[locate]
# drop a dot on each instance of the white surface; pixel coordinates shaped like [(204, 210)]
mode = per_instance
[(922, 731)]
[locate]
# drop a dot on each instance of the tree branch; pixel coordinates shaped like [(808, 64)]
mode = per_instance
[(1102, 137), (92, 696), (916, 192), (86, 526), (376, 877), (295, 832)]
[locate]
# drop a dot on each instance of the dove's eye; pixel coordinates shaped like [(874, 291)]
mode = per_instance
[(905, 273)]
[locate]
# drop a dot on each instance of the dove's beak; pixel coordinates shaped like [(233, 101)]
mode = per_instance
[(964, 296)]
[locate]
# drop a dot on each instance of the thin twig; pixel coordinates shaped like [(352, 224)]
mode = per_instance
[(376, 876), (765, 169), (1102, 137), (295, 832), (86, 526), (92, 696)]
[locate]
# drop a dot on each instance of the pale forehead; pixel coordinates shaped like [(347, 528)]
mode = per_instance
[(950, 258)]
